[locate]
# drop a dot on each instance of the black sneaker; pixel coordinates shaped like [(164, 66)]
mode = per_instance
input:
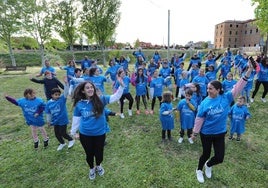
[(36, 144), (46, 143), (238, 139), (231, 137)]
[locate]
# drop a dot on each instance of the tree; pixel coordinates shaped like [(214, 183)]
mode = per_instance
[(9, 23), (38, 21), (100, 19), (261, 15), (66, 16)]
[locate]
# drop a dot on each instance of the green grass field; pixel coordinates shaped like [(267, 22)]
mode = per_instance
[(134, 156)]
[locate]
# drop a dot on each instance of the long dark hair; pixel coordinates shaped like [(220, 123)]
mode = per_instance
[(95, 99), (217, 85), (263, 62), (139, 76)]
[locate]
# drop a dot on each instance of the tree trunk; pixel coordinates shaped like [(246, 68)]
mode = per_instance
[(103, 55), (42, 53), (13, 61), (72, 51), (266, 45)]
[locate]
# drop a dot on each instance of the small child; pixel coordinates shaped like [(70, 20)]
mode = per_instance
[(57, 116), (32, 108), (187, 109), (238, 115), (156, 89), (166, 115)]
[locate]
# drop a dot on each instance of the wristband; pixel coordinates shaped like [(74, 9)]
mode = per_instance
[(245, 79)]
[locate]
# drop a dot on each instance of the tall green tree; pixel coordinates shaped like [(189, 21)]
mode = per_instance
[(38, 21), (10, 23), (100, 19), (66, 15), (261, 15)]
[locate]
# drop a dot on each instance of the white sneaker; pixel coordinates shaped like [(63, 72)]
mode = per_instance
[(100, 170), (248, 105), (92, 174), (251, 100), (61, 146), (190, 140), (263, 100), (199, 175), (71, 143), (122, 116), (130, 112), (208, 171), (180, 140)]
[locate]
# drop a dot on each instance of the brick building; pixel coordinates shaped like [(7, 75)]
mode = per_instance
[(237, 34)]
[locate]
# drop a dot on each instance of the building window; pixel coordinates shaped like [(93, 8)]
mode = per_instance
[(236, 32), (235, 39), (235, 46), (257, 30), (246, 25), (231, 25), (220, 39), (250, 31), (236, 26), (230, 32), (245, 32), (229, 40)]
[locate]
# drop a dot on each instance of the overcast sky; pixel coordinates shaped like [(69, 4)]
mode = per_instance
[(190, 20)]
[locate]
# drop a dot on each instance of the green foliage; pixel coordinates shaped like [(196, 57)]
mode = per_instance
[(24, 43), (134, 156), (100, 19), (56, 45)]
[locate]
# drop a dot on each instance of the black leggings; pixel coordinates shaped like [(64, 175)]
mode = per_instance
[(61, 132), (93, 146), (143, 100), (153, 101), (219, 148), (257, 86), (129, 97)]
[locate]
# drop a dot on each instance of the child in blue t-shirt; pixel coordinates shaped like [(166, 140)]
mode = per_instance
[(57, 116), (166, 115), (238, 115), (32, 108), (187, 110)]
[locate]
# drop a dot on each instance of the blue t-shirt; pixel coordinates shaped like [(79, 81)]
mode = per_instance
[(58, 111), (157, 84), (112, 71), (215, 112), (50, 69), (98, 81), (263, 73), (202, 81), (141, 86), (69, 72), (187, 116), (167, 121), (227, 85), (90, 125), (29, 108), (126, 81)]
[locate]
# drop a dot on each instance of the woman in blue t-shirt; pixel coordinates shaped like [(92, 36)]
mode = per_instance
[(89, 117), (211, 122)]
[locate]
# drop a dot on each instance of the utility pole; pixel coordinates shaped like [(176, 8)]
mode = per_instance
[(168, 34)]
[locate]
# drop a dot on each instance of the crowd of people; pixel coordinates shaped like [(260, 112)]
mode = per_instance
[(205, 96)]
